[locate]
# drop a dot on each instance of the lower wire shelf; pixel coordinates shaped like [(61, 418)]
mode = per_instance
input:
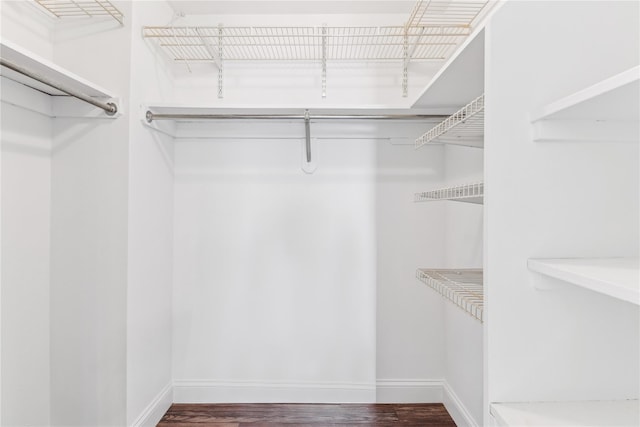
[(470, 193), (463, 287)]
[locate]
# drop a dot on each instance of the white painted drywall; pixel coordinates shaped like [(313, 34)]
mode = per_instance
[(26, 194), (409, 317), (150, 234), (557, 200), (276, 270), (463, 248), (89, 219), (25, 23)]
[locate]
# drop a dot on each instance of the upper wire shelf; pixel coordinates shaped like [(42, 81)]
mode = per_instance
[(212, 44), (462, 287), (81, 8), (429, 12), (464, 127), (433, 32), (470, 193)]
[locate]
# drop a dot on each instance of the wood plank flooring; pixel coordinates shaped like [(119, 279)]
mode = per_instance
[(302, 414)]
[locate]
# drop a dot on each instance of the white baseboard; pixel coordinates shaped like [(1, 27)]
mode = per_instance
[(207, 391), (460, 414), (409, 391), (153, 413)]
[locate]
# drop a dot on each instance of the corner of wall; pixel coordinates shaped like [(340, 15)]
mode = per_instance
[(458, 411), (156, 409)]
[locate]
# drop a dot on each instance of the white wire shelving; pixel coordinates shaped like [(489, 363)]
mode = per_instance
[(464, 127), (470, 193), (427, 12), (433, 32), (212, 44), (81, 8), (462, 287)]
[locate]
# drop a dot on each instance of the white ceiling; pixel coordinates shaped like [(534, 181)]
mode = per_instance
[(282, 7)]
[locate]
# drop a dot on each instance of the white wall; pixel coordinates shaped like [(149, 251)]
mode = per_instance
[(410, 337), (150, 235), (276, 270), (410, 360), (26, 194), (25, 23), (463, 348), (557, 200), (89, 235), (274, 279)]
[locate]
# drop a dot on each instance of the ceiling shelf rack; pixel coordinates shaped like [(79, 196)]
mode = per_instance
[(470, 193), (81, 8), (464, 127), (462, 287), (433, 32)]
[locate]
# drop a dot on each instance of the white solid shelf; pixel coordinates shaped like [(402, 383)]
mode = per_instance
[(616, 277), (81, 8), (464, 127), (615, 98), (25, 59), (462, 287), (622, 413), (454, 85), (469, 193)]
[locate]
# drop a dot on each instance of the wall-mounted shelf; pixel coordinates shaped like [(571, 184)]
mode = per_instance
[(622, 413), (81, 8), (39, 69), (464, 127), (615, 277), (462, 287), (606, 111), (433, 32), (470, 193)]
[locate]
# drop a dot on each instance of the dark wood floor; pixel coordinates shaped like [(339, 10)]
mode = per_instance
[(301, 414)]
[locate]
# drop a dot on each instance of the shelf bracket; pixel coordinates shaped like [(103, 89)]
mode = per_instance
[(324, 61), (215, 56), (307, 132), (405, 64), (309, 163), (221, 64)]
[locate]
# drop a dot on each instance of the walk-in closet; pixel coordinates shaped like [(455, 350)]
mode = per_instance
[(404, 208)]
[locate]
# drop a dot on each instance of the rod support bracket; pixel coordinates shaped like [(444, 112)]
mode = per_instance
[(148, 116), (307, 131)]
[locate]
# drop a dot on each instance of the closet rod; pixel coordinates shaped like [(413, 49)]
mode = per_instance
[(109, 107), (156, 116)]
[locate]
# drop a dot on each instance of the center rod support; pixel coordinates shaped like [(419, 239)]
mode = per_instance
[(307, 132)]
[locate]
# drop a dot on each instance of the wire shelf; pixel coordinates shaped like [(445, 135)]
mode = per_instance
[(212, 44), (461, 12), (81, 8), (470, 193), (464, 127), (462, 287)]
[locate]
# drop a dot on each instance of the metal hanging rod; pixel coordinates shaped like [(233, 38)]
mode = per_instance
[(109, 107), (150, 117)]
